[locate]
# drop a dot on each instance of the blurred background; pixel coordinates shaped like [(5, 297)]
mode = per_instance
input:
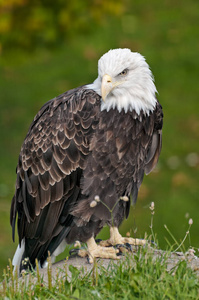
[(48, 47)]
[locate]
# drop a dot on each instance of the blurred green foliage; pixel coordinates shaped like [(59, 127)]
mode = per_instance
[(166, 33), (33, 23)]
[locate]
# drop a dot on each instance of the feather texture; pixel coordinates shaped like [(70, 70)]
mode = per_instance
[(48, 171), (74, 151)]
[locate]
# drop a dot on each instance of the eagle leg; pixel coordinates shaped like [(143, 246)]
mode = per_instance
[(116, 238), (95, 250)]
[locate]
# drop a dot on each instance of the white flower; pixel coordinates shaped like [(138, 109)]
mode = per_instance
[(97, 198), (152, 206), (93, 203), (124, 198), (190, 221)]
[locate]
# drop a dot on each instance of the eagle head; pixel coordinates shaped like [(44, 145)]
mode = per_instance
[(125, 82)]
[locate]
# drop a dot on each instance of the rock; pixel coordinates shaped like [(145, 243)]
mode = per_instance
[(62, 268)]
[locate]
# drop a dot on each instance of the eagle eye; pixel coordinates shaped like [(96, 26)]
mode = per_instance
[(124, 72)]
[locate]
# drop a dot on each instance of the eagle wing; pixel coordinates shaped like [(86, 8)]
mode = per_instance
[(156, 141), (50, 166)]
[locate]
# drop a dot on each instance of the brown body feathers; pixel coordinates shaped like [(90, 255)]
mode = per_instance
[(73, 152)]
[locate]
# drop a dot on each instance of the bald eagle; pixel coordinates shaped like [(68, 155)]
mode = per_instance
[(85, 153)]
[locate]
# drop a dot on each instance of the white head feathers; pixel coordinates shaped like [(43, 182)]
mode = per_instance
[(132, 82)]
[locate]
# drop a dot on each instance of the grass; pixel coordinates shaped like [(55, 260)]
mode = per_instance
[(139, 276), (167, 35)]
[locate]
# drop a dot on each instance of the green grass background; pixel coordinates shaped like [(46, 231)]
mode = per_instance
[(166, 33)]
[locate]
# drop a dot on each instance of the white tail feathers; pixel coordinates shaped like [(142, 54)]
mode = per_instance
[(16, 261)]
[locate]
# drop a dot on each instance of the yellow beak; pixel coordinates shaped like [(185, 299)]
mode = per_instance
[(107, 85)]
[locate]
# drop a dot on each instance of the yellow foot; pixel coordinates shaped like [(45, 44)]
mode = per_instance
[(95, 250), (116, 238)]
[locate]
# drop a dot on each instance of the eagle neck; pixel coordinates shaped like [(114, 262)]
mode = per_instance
[(114, 113)]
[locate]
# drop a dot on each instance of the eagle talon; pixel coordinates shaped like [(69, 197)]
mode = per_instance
[(116, 240), (73, 251), (98, 240), (120, 253), (82, 252), (88, 260), (124, 248), (118, 246), (129, 247), (95, 251)]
